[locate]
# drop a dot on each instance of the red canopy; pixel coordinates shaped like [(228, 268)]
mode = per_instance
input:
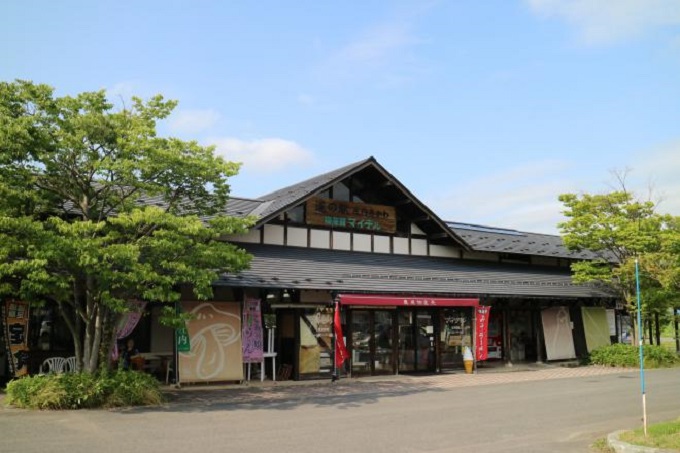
[(404, 301)]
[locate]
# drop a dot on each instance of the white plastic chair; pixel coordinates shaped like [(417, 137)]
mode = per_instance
[(69, 365), (54, 365)]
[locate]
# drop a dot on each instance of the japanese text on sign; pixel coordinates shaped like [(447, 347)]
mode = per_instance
[(482, 333), (353, 216), (420, 302)]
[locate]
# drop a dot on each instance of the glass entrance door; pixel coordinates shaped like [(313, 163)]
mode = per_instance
[(425, 352), (372, 342), (416, 341), (383, 354)]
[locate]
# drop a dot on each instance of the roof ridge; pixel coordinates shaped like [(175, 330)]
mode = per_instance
[(275, 194)]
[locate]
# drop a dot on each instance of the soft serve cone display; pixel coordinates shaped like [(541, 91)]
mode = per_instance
[(468, 360)]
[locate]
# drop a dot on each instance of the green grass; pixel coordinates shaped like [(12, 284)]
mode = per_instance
[(84, 390), (600, 446), (661, 435)]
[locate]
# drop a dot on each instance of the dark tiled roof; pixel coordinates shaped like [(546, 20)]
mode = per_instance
[(501, 240), (302, 268), (292, 195)]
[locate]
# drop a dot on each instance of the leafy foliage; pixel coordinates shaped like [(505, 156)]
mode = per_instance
[(84, 390), (625, 355), (96, 209), (620, 229)]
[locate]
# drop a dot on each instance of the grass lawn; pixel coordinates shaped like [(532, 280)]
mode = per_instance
[(661, 435)]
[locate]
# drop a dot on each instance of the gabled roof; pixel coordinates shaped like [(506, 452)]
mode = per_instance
[(483, 238), (290, 196), (305, 268), (388, 190)]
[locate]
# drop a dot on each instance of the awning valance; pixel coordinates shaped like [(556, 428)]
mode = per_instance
[(404, 301)]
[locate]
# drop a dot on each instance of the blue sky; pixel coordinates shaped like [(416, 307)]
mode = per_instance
[(485, 110)]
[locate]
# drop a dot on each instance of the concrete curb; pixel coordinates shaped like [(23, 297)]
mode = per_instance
[(623, 447)]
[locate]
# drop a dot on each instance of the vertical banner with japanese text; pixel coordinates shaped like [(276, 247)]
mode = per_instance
[(16, 317), (252, 332), (482, 332)]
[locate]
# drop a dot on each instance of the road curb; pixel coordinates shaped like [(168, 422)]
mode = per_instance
[(623, 447)]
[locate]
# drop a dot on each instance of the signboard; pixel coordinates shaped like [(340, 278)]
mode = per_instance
[(16, 316), (482, 332), (559, 341), (396, 301), (351, 216), (183, 343), (215, 337), (596, 327), (252, 332)]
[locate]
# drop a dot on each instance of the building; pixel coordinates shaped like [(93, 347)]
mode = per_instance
[(412, 288)]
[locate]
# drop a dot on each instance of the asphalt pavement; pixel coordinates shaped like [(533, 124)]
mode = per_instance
[(546, 409)]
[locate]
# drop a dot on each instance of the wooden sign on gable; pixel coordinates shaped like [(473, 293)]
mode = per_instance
[(352, 216)]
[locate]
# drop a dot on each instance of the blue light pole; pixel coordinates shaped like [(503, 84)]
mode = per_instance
[(642, 356)]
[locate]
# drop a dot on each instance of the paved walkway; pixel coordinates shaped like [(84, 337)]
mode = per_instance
[(262, 392)]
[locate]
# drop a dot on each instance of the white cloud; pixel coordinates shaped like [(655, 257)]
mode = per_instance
[(377, 46), (659, 167), (193, 121), (608, 21), (122, 90), (383, 52), (266, 155), (523, 197)]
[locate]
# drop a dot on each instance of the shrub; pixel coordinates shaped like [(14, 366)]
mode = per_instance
[(625, 355), (84, 390)]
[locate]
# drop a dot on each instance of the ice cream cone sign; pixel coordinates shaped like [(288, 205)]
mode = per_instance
[(468, 360)]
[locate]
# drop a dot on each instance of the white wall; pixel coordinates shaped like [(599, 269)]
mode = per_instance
[(416, 230), (273, 234), (297, 237), (341, 241), (400, 246), (419, 247), (252, 236), (362, 242), (381, 244), (444, 251), (320, 239)]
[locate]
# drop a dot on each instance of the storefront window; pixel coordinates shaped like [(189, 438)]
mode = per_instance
[(407, 350), (315, 354), (456, 334), (361, 342), (383, 360)]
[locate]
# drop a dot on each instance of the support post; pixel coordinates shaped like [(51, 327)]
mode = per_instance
[(334, 374), (675, 324), (642, 357), (507, 359)]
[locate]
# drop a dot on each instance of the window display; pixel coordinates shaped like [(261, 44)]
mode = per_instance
[(455, 335), (316, 339)]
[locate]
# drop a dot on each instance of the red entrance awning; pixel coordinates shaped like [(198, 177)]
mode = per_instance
[(404, 301)]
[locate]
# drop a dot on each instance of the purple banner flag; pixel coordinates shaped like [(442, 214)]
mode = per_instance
[(252, 332)]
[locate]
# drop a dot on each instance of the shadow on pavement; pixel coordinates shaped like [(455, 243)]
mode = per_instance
[(339, 395)]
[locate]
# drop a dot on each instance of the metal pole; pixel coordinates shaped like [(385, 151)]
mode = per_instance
[(175, 351), (642, 358), (675, 323), (334, 374)]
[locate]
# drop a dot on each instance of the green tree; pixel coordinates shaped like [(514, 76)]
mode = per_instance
[(96, 210), (619, 229), (665, 263)]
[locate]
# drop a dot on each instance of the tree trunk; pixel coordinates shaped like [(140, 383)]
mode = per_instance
[(649, 329), (657, 328)]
